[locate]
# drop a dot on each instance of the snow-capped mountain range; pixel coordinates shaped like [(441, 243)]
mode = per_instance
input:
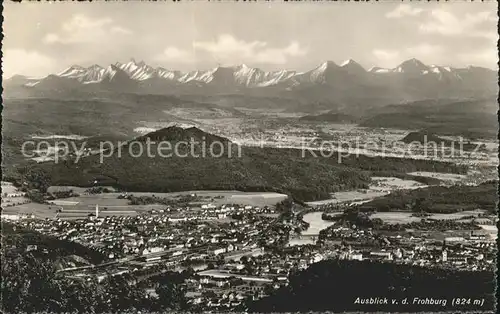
[(139, 77), (140, 71)]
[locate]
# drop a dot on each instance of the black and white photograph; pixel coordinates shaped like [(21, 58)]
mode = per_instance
[(249, 157)]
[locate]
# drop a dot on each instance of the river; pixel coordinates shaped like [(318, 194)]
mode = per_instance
[(316, 224)]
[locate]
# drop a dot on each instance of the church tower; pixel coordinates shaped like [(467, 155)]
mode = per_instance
[(444, 257)]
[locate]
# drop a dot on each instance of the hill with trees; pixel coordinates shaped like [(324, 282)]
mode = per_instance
[(427, 138), (438, 199), (30, 283), (335, 285)]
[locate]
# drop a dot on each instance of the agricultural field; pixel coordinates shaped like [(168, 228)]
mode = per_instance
[(8, 188), (350, 196), (41, 211), (396, 217), (459, 215), (226, 197), (79, 207), (429, 235), (406, 217), (11, 197), (491, 229), (380, 186), (75, 189), (441, 176), (390, 183)]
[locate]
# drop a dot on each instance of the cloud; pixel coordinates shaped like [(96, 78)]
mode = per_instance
[(23, 62), (279, 55), (228, 45), (83, 29), (121, 30), (228, 49), (424, 51), (485, 57), (403, 10), (472, 25), (386, 55), (175, 54)]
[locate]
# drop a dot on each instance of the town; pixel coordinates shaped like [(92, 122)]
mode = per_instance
[(235, 253)]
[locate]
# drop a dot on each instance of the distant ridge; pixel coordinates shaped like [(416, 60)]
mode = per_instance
[(330, 117), (141, 71)]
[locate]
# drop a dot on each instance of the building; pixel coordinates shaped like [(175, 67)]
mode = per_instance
[(356, 256), (381, 255), (457, 260), (10, 216), (454, 239)]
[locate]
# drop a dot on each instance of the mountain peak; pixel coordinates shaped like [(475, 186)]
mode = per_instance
[(413, 63), (324, 73), (243, 66), (95, 67), (347, 62), (72, 71), (412, 66), (76, 66), (353, 66), (132, 60), (328, 65)]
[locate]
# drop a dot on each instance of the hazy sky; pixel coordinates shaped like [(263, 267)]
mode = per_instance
[(42, 38)]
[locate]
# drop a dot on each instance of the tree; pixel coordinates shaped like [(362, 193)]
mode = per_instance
[(37, 178), (171, 296), (422, 204), (29, 285)]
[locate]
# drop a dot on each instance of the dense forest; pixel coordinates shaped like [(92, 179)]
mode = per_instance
[(334, 285), (361, 219), (16, 240), (30, 283), (438, 199)]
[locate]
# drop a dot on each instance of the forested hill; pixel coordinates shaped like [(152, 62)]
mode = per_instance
[(473, 119), (17, 240), (334, 285), (177, 134), (427, 138), (306, 175)]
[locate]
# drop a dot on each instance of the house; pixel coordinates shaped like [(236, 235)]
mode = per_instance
[(31, 247)]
